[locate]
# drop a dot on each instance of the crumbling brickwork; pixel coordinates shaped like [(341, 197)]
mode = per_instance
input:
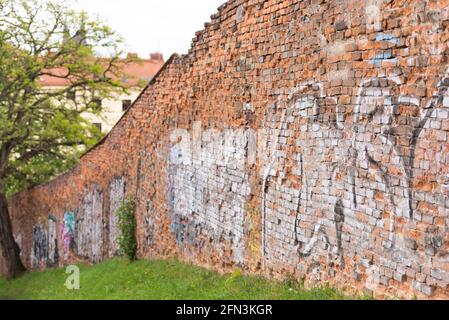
[(305, 138)]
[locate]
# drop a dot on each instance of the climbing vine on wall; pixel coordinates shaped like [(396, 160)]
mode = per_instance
[(127, 224)]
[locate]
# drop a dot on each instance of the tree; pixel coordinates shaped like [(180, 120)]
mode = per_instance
[(41, 134)]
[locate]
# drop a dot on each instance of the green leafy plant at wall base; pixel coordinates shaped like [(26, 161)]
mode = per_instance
[(127, 224)]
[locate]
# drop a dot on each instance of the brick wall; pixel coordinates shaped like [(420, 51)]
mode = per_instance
[(305, 138)]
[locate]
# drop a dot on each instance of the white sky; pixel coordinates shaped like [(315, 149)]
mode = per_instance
[(166, 26)]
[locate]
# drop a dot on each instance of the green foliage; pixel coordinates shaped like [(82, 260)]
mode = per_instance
[(42, 133), (157, 280), (233, 277), (127, 224), (293, 283), (58, 158)]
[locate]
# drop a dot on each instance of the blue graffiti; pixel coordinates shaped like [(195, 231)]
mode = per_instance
[(387, 37), (178, 229), (383, 56), (68, 231)]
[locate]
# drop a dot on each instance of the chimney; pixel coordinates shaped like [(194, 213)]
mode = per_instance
[(132, 55), (156, 56)]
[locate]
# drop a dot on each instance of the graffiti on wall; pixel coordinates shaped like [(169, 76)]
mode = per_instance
[(39, 252), (68, 233), (350, 183), (44, 252), (90, 225), (81, 232), (208, 186), (302, 208), (116, 197), (53, 253)]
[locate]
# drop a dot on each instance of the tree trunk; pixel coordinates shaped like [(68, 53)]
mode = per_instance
[(11, 265)]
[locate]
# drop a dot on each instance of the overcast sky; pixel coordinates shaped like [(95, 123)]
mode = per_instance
[(165, 26)]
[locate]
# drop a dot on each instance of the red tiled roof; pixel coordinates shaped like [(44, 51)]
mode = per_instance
[(135, 72)]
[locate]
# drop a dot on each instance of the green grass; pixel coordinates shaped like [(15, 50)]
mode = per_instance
[(156, 280)]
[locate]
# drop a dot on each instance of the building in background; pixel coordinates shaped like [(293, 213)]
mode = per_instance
[(137, 75)]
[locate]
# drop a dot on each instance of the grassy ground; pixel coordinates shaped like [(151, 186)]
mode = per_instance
[(155, 280)]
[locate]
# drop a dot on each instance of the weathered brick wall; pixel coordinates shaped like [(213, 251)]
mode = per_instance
[(296, 137)]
